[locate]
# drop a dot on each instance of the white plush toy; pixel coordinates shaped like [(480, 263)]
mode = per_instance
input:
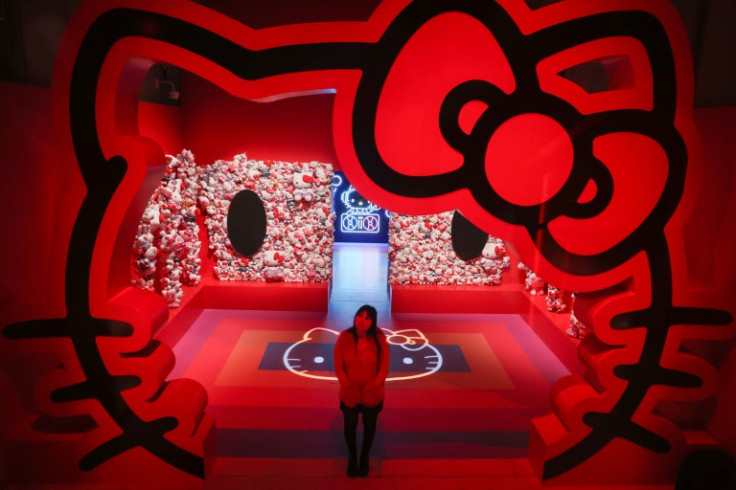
[(577, 328), (303, 182), (273, 261), (558, 300), (534, 285), (489, 256)]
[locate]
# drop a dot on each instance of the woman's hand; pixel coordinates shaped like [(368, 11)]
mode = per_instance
[(373, 395), (350, 394)]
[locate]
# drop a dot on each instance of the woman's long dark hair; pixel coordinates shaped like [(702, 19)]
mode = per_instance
[(372, 314), (372, 330)]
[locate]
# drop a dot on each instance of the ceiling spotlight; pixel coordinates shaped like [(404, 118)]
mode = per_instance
[(173, 93)]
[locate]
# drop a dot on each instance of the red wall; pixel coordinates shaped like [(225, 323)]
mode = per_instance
[(219, 126), (32, 189), (216, 125), (715, 212), (161, 123), (715, 216)]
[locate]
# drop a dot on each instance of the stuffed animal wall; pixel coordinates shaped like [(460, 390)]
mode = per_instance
[(299, 219), (300, 222), (166, 248), (420, 252)]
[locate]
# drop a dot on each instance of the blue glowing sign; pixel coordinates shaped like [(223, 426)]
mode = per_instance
[(359, 215), (359, 219)]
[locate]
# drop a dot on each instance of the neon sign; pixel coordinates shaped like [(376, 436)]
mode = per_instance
[(336, 182), (359, 216)]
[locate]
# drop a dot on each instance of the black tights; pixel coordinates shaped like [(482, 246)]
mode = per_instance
[(370, 419)]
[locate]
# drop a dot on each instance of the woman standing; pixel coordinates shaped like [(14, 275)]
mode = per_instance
[(361, 365)]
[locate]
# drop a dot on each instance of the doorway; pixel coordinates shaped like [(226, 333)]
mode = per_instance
[(359, 276)]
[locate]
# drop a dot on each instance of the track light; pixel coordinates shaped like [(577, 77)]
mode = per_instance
[(173, 93)]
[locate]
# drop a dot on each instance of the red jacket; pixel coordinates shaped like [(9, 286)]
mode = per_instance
[(360, 369)]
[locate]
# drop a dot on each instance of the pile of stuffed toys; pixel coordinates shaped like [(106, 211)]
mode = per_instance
[(299, 219), (558, 300), (166, 248), (421, 252), (299, 238)]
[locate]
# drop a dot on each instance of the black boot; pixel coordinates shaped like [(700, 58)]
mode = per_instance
[(352, 467), (363, 467)]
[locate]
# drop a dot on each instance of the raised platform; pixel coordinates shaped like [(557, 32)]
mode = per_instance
[(238, 295), (458, 299), (502, 299), (282, 296)]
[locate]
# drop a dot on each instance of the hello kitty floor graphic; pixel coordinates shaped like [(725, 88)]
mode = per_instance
[(410, 352)]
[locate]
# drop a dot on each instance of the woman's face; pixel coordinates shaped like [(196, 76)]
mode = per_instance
[(362, 322)]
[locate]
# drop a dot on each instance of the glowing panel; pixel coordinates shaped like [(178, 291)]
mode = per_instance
[(359, 216)]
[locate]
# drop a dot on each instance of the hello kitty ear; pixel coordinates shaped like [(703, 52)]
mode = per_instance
[(411, 333), (318, 332), (410, 339)]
